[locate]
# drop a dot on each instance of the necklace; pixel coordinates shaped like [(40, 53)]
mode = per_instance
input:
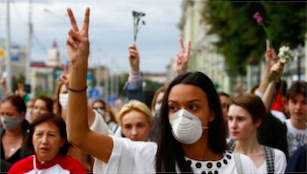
[(12, 149)]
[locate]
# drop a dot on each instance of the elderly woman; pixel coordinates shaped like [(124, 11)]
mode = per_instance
[(48, 138)]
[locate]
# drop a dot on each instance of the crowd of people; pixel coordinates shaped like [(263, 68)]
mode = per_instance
[(190, 127)]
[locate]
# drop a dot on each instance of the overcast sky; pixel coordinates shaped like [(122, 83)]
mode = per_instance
[(111, 29)]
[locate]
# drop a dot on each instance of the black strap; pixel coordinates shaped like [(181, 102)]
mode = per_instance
[(231, 145), (269, 155)]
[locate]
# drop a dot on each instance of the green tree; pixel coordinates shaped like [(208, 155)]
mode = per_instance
[(241, 38)]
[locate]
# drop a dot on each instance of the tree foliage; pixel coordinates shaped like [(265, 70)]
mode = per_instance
[(241, 38)]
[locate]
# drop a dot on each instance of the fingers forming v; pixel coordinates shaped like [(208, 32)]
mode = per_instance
[(65, 69), (86, 20), (72, 19), (181, 45)]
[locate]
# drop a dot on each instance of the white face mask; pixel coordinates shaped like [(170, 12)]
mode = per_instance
[(63, 99), (186, 127)]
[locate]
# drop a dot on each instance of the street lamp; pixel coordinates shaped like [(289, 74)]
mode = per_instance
[(56, 15)]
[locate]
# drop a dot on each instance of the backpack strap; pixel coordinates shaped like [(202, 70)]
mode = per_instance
[(231, 145), (269, 155), (238, 163)]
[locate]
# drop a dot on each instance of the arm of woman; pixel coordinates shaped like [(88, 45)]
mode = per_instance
[(78, 130)]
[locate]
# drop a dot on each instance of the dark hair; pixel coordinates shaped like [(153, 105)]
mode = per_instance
[(48, 100), (18, 102), (254, 88), (20, 105), (170, 152), (102, 102), (57, 121), (297, 87), (221, 93), (252, 104)]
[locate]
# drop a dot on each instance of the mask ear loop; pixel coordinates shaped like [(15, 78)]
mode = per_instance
[(205, 127)]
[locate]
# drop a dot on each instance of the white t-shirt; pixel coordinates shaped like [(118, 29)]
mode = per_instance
[(139, 157), (281, 116), (280, 163), (295, 137)]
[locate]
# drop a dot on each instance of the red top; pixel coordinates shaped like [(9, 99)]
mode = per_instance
[(60, 164)]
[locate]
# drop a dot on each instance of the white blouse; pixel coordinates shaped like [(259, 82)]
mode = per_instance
[(139, 157)]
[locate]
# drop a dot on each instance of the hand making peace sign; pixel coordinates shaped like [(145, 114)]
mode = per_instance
[(182, 58), (78, 42)]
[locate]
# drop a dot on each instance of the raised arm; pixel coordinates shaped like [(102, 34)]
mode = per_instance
[(64, 78), (182, 59), (79, 134), (268, 94), (134, 86), (270, 60)]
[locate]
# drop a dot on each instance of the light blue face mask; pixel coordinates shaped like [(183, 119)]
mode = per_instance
[(10, 123)]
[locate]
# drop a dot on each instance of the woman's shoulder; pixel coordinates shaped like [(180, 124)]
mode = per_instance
[(71, 164)]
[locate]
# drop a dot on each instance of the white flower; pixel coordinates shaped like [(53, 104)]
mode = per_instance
[(283, 60)]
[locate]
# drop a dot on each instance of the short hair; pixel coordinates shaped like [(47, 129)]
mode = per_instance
[(58, 122), (255, 88), (135, 105), (48, 100), (161, 89), (297, 87), (252, 104)]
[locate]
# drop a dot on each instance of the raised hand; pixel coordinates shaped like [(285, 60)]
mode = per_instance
[(270, 57), (78, 42), (278, 68), (64, 78), (20, 90), (182, 58), (134, 58)]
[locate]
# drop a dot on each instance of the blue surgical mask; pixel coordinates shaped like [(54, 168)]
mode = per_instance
[(10, 123)]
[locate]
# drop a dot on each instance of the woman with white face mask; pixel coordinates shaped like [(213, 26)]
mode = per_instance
[(14, 129), (191, 133)]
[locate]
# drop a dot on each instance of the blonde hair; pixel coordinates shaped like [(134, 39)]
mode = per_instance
[(135, 105)]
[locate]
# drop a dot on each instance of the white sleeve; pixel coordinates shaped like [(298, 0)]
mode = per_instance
[(99, 125), (248, 165), (280, 161), (260, 94), (131, 157)]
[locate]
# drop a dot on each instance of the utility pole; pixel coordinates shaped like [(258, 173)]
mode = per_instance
[(8, 49), (28, 58)]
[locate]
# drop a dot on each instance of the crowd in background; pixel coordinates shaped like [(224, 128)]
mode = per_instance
[(189, 126)]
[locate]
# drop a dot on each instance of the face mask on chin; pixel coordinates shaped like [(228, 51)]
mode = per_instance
[(10, 123), (186, 128)]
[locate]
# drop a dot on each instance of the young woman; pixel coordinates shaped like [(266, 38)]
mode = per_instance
[(135, 121), (42, 105), (14, 129), (191, 124), (245, 115), (48, 138)]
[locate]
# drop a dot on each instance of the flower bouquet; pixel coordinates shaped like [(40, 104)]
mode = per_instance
[(284, 56)]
